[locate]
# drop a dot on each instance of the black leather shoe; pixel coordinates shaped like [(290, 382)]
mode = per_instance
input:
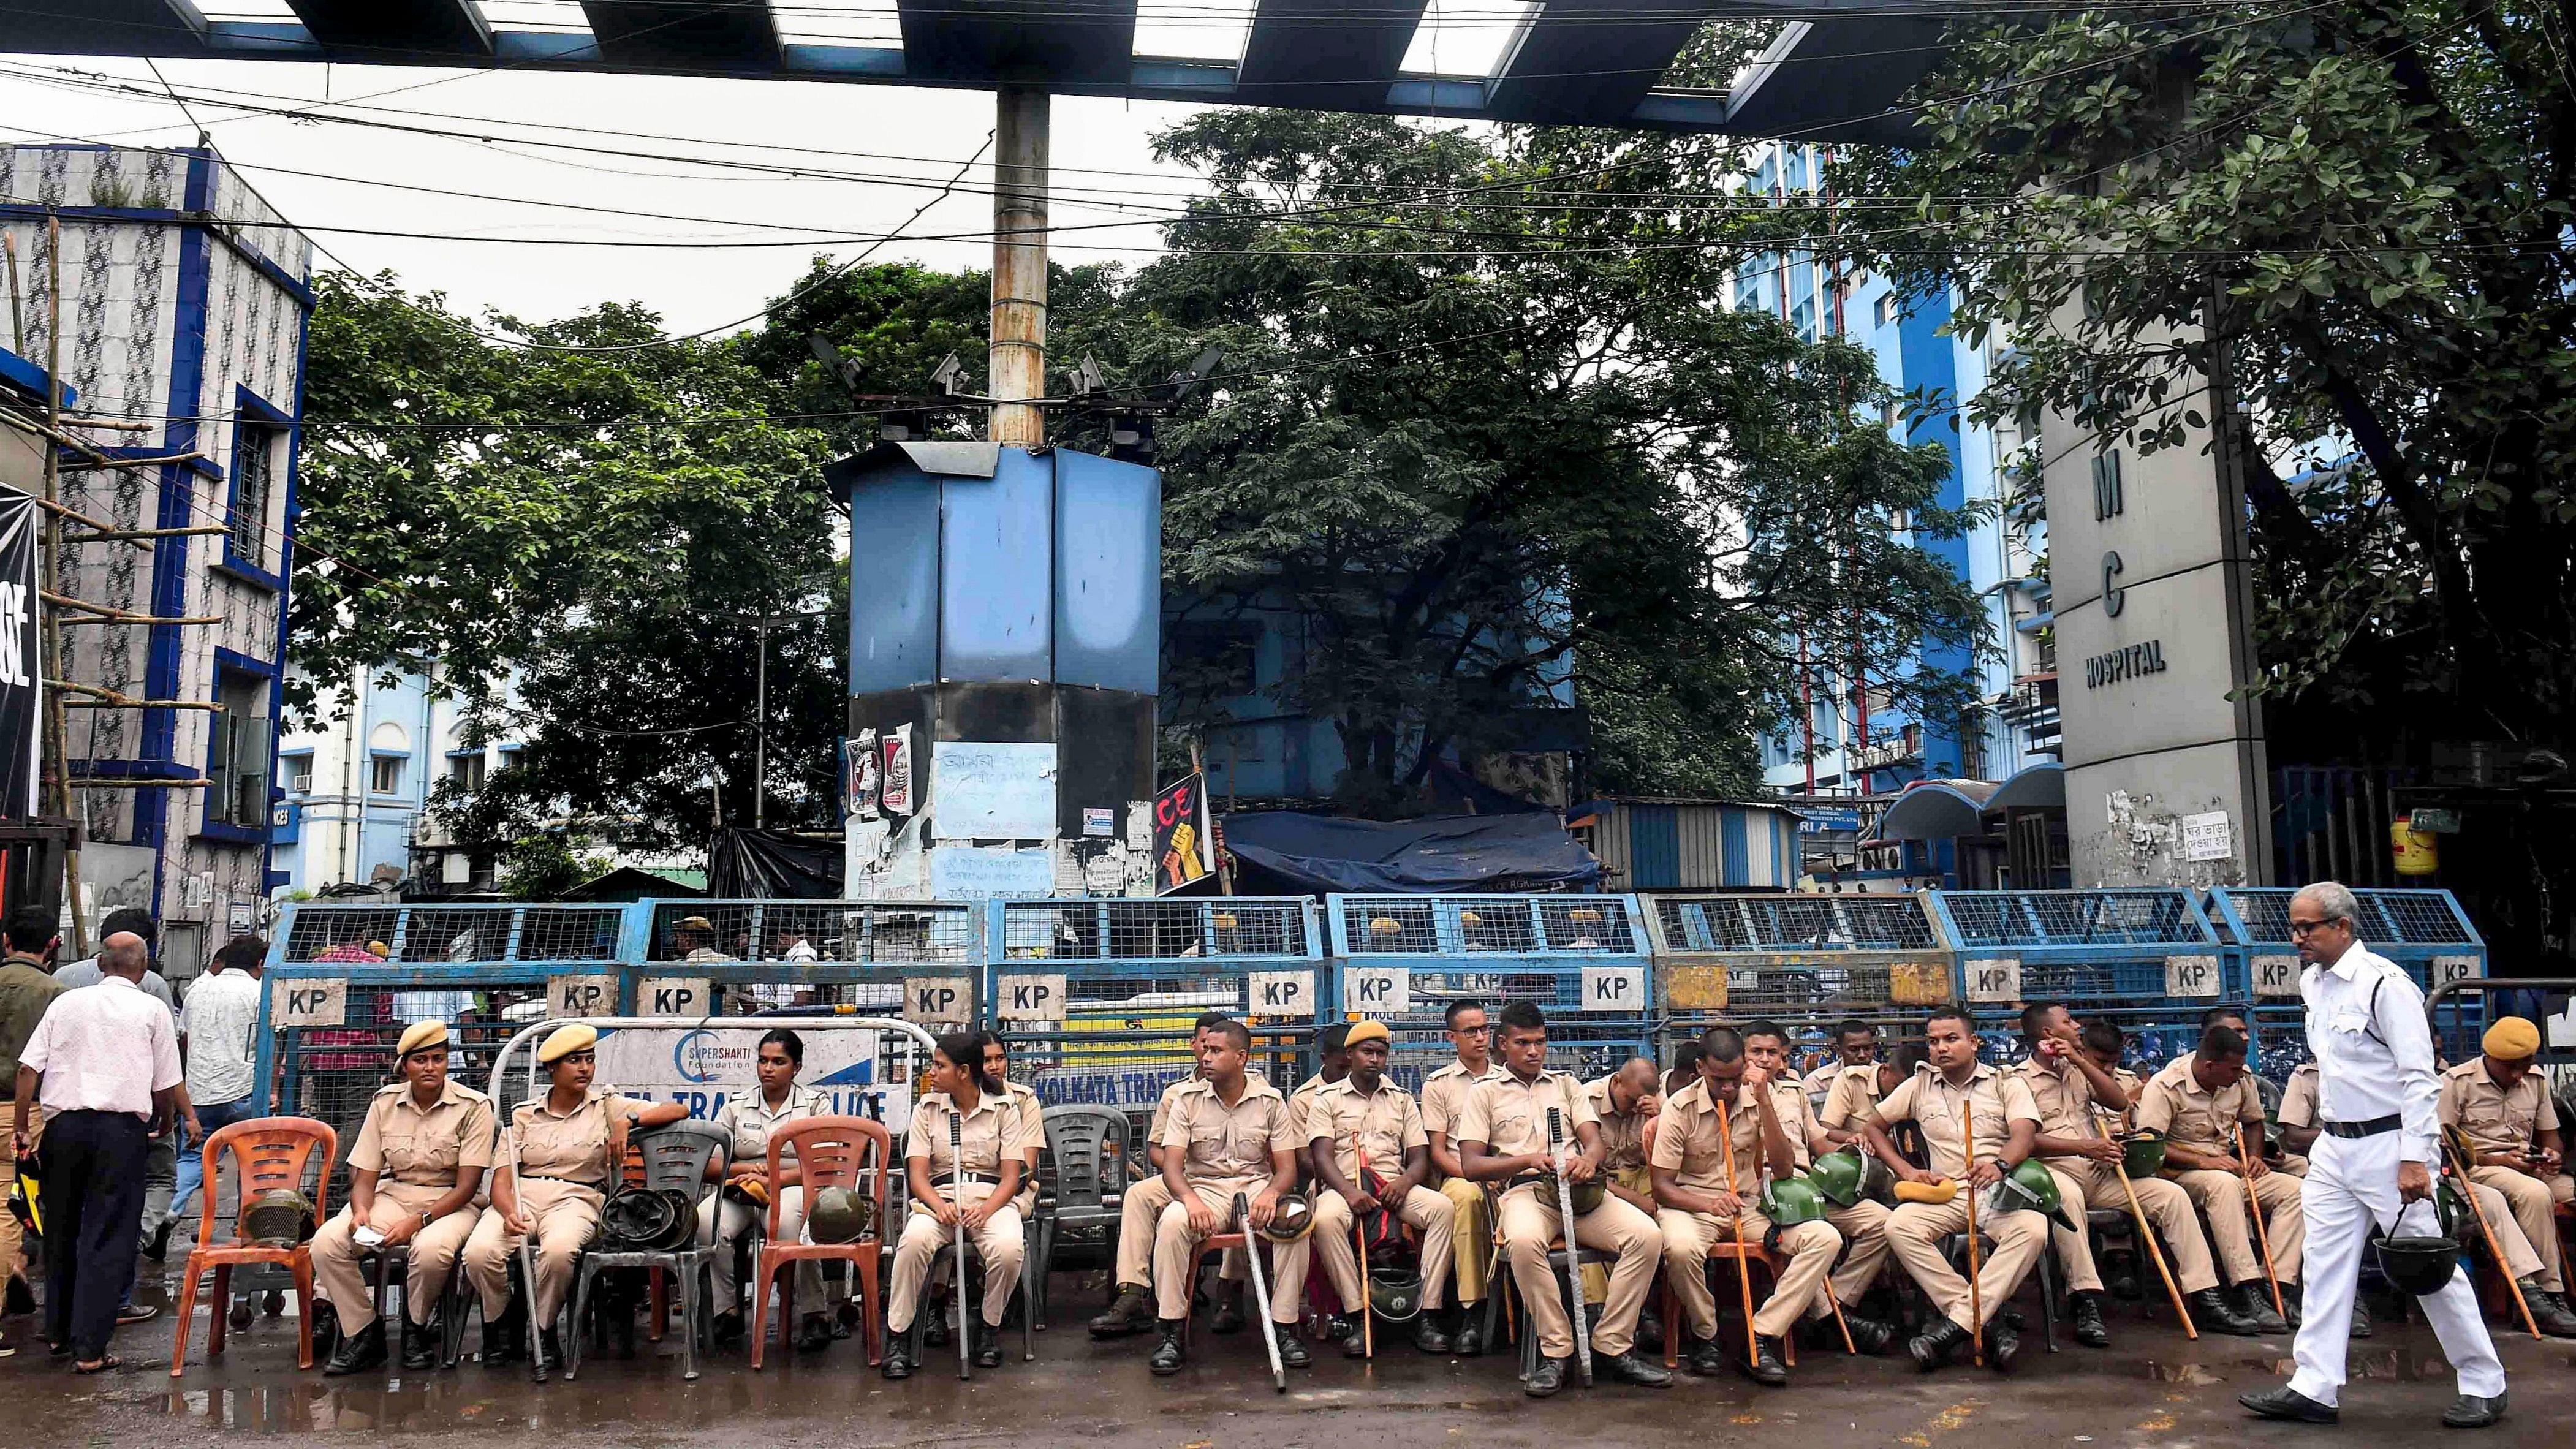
[(933, 1323), (1706, 1358), (1168, 1354), (1355, 1344), (506, 1339), (1933, 1346), (552, 1342), (988, 1344), (816, 1334), (727, 1329), (2469, 1411), (359, 1351), (2549, 1311), (419, 1344), (2291, 1309), (1430, 1337), (1293, 1352), (2211, 1310), (1228, 1317), (1633, 1367), (1650, 1332), (1765, 1367), (2003, 1346), (2360, 1318), (2090, 1330), (20, 1299), (1868, 1335), (1133, 1312), (899, 1355), (1546, 1379), (2288, 1403), (2255, 1300), (1470, 1341)]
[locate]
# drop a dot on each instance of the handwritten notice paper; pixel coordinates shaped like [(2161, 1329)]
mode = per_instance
[(992, 791)]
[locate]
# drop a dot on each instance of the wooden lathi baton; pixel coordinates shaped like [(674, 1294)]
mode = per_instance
[(1743, 1250), (2254, 1210), (2147, 1234), (1359, 1230), (1976, 1269), (2460, 1169)]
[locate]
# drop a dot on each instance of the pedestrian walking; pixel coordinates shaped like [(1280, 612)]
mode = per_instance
[(161, 1161), (2378, 1100), (104, 1064), (216, 1029), (27, 987)]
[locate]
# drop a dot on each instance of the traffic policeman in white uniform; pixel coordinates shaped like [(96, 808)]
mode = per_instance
[(2378, 1098)]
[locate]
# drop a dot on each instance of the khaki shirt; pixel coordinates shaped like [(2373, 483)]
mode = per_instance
[(2198, 1121), (1623, 1134), (987, 1136), (1032, 1122), (25, 992), (1163, 1110), (2064, 1096), (2496, 1120), (572, 1147), (2299, 1097), (1509, 1115), (1299, 1101), (1444, 1095), (1852, 1097), (1690, 1146), (749, 1117), (1386, 1122), (1229, 1145), (401, 1143), (1939, 1109)]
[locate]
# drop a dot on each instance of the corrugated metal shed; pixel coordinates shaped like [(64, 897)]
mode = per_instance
[(1650, 844)]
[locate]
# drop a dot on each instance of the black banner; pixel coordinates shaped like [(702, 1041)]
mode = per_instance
[(1184, 851), (21, 702)]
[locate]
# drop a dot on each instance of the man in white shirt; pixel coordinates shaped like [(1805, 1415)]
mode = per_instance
[(104, 1063), (2377, 1107), (161, 1163), (216, 1039)]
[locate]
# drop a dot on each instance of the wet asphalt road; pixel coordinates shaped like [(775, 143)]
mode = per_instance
[(2151, 1388)]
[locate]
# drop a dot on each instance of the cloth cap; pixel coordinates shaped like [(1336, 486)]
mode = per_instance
[(1367, 1031), (696, 923), (420, 1036), (381, 949), (2512, 1039), (566, 1041)]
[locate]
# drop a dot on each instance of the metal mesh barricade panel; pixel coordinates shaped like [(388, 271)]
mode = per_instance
[(1806, 962), (328, 932), (2423, 932), (778, 955), (2144, 959)]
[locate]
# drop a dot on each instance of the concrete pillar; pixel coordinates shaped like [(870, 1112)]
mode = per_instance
[(1016, 360)]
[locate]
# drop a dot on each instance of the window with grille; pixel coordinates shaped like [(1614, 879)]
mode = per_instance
[(466, 771), (255, 448), (239, 751), (386, 777)]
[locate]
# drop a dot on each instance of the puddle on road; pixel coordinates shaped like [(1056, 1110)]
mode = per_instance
[(2183, 1373), (2380, 1363)]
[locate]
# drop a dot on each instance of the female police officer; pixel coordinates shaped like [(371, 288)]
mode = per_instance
[(419, 1160), (988, 1154), (740, 1204), (570, 1146)]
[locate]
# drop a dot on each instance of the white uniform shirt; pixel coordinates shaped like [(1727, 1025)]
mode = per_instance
[(104, 1048), (2374, 1053), (218, 1021)]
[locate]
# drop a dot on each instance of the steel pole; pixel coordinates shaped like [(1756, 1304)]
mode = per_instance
[(1016, 358), (760, 735)]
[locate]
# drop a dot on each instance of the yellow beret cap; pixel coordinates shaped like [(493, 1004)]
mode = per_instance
[(566, 1041), (420, 1036), (1367, 1031), (2511, 1039)]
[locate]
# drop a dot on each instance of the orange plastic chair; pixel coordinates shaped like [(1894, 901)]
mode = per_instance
[(829, 1152), (269, 1153)]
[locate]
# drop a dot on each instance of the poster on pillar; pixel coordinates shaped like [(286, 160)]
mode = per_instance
[(1184, 845), (20, 700)]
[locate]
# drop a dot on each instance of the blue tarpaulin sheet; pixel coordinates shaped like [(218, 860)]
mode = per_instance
[(1316, 854)]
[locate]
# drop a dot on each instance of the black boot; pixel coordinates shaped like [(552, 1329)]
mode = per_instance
[(359, 1351), (2291, 1308), (1470, 1339), (1633, 1367), (1228, 1317), (1133, 1312), (988, 1345), (1168, 1354), (1355, 1344), (1765, 1367), (2360, 1318), (1869, 1335), (2210, 1309), (1429, 1336), (2255, 1301), (1706, 1359), (2003, 1346), (900, 1355), (419, 1343), (2090, 1330), (552, 1343), (1547, 1378), (1650, 1332), (933, 1323), (2548, 1310), (505, 1339), (816, 1335), (1934, 1345), (1293, 1352)]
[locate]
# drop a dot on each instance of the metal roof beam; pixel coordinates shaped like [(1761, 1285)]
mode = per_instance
[(1063, 44), (108, 27), (1326, 54), (685, 34), (1589, 62), (1872, 63), (366, 28)]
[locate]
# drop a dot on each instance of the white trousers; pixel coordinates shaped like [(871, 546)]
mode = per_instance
[(2352, 1183)]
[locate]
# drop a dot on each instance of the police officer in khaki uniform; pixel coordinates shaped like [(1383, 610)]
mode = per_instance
[(420, 1158), (1939, 1098), (1333, 1055), (1857, 1088), (1503, 1140), (2502, 1106), (1863, 1225), (997, 1064), (972, 1182), (1140, 1210), (2074, 1092), (1364, 1112), (2199, 1102), (1228, 1137), (1625, 1103), (1444, 1098), (740, 1202), (1701, 1205), (570, 1148)]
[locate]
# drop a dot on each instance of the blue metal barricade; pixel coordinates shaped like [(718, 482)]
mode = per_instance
[(2146, 959), (1805, 961), (2424, 931), (1582, 959), (1097, 997), (775, 954)]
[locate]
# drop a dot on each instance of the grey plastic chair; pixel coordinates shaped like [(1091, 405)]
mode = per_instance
[(1082, 1182), (677, 1157)]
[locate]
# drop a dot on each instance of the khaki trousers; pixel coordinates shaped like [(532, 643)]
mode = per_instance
[(1689, 1238), (2533, 1204), (566, 1214), (1423, 1210), (433, 1250), (2082, 1185), (1596, 1279), (1527, 1221), (1471, 1237), (1176, 1257), (2221, 1198), (999, 1240), (722, 1222), (1915, 1232), (12, 1239), (1140, 1212)]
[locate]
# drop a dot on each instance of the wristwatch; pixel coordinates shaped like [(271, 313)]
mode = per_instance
[(427, 1217)]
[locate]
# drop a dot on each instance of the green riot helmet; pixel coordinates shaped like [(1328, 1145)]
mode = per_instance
[(1789, 1201), (839, 1215), (278, 1218), (636, 1220), (1839, 1176), (1395, 1293), (1588, 1195), (2142, 1154), (2029, 1187)]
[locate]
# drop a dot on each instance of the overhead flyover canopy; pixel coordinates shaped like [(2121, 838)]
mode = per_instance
[(1562, 62)]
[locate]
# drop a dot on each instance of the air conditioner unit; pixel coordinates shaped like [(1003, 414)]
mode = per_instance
[(303, 784)]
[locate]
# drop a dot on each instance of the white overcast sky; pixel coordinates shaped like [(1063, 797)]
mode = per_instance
[(913, 139)]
